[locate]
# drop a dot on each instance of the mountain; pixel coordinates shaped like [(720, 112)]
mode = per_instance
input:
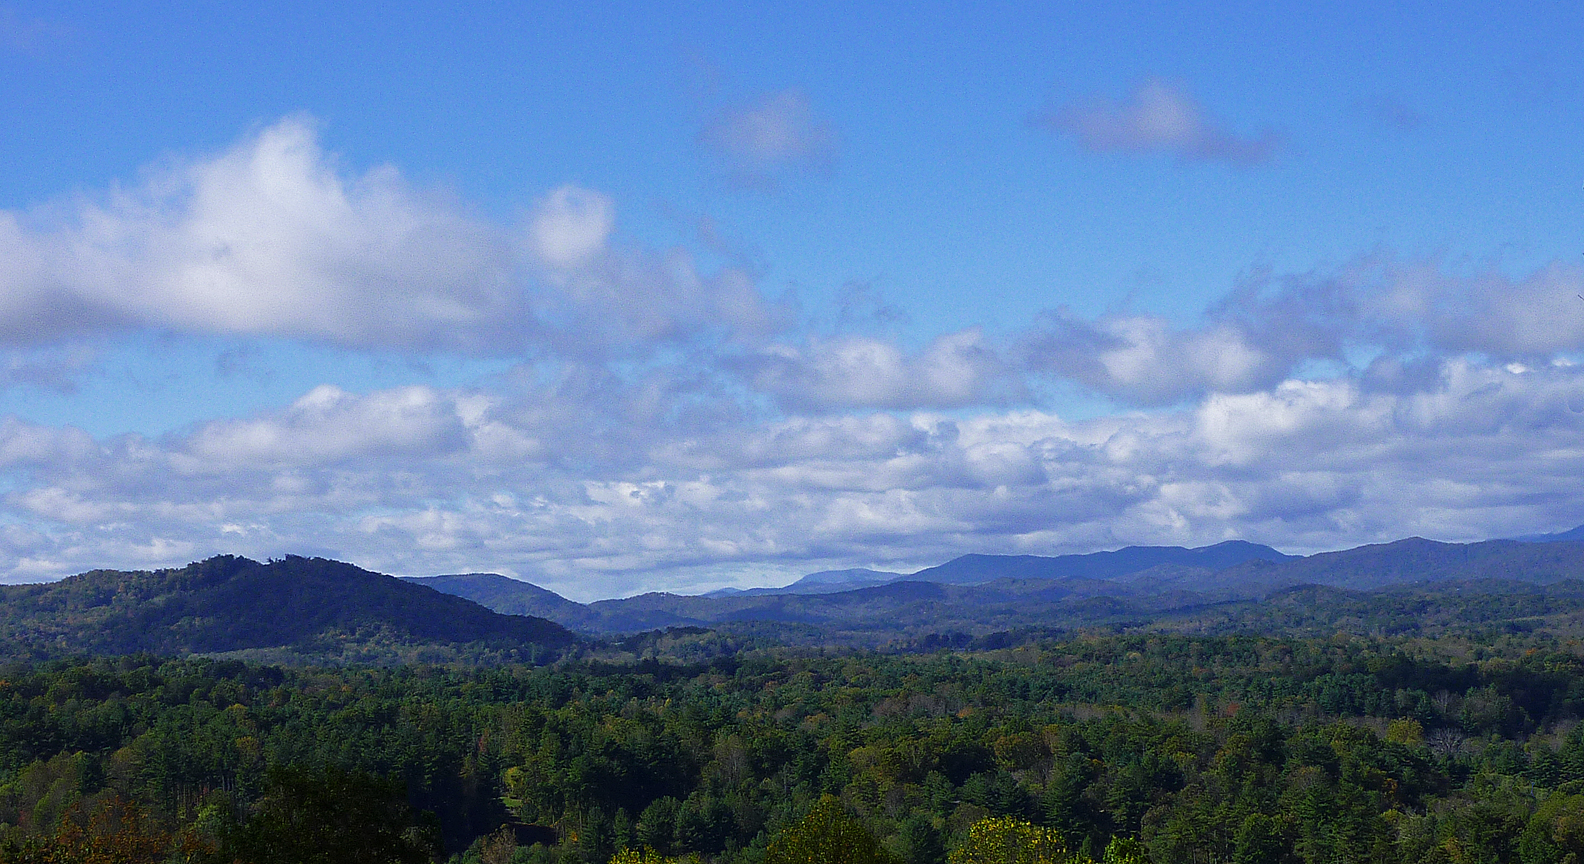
[(974, 569), (842, 579), (227, 604), (1413, 560), (505, 595), (1014, 587), (823, 582), (1572, 535)]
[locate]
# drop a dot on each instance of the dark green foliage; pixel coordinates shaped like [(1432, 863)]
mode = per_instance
[(1260, 841), (1198, 748), (920, 840), (332, 817)]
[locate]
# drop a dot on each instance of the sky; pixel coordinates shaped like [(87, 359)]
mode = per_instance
[(628, 297)]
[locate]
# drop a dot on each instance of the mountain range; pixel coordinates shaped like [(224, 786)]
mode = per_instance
[(975, 569), (978, 593), (319, 610)]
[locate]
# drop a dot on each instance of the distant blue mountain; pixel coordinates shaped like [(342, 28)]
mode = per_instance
[(845, 577), (1417, 560), (823, 582), (985, 593), (1574, 535), (978, 569)]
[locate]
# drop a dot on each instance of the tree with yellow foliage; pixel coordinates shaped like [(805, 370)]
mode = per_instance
[(646, 855), (1005, 840), (827, 835)]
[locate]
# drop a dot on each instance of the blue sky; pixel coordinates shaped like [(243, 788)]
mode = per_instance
[(620, 297)]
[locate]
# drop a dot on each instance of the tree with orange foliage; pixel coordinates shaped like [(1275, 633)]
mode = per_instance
[(116, 832)]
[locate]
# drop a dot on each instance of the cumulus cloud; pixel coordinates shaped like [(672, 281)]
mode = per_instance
[(328, 424), (773, 136), (953, 370), (1142, 359), (1406, 307), (1254, 338), (1267, 329), (264, 239), (273, 238), (1158, 117)]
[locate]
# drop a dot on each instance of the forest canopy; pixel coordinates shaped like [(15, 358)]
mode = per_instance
[(1159, 748)]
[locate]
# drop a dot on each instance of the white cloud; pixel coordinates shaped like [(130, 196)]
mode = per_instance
[(273, 238), (955, 369), (617, 301), (268, 239), (1399, 313), (601, 479), (1535, 316), (27, 445), (1158, 117), (1143, 359), (570, 226), (1249, 342), (329, 425), (777, 134)]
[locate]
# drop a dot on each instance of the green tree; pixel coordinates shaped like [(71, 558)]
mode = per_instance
[(333, 817), (921, 840), (1259, 841)]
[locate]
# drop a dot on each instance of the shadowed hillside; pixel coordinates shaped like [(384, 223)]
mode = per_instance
[(228, 604), (505, 595)]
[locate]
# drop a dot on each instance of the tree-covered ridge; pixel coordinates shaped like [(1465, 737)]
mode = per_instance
[(1456, 588), (227, 604), (1227, 749)]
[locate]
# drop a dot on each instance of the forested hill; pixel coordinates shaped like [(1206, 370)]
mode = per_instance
[(228, 604), (504, 595)]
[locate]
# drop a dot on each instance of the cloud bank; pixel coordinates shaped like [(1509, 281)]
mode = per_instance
[(421, 480)]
